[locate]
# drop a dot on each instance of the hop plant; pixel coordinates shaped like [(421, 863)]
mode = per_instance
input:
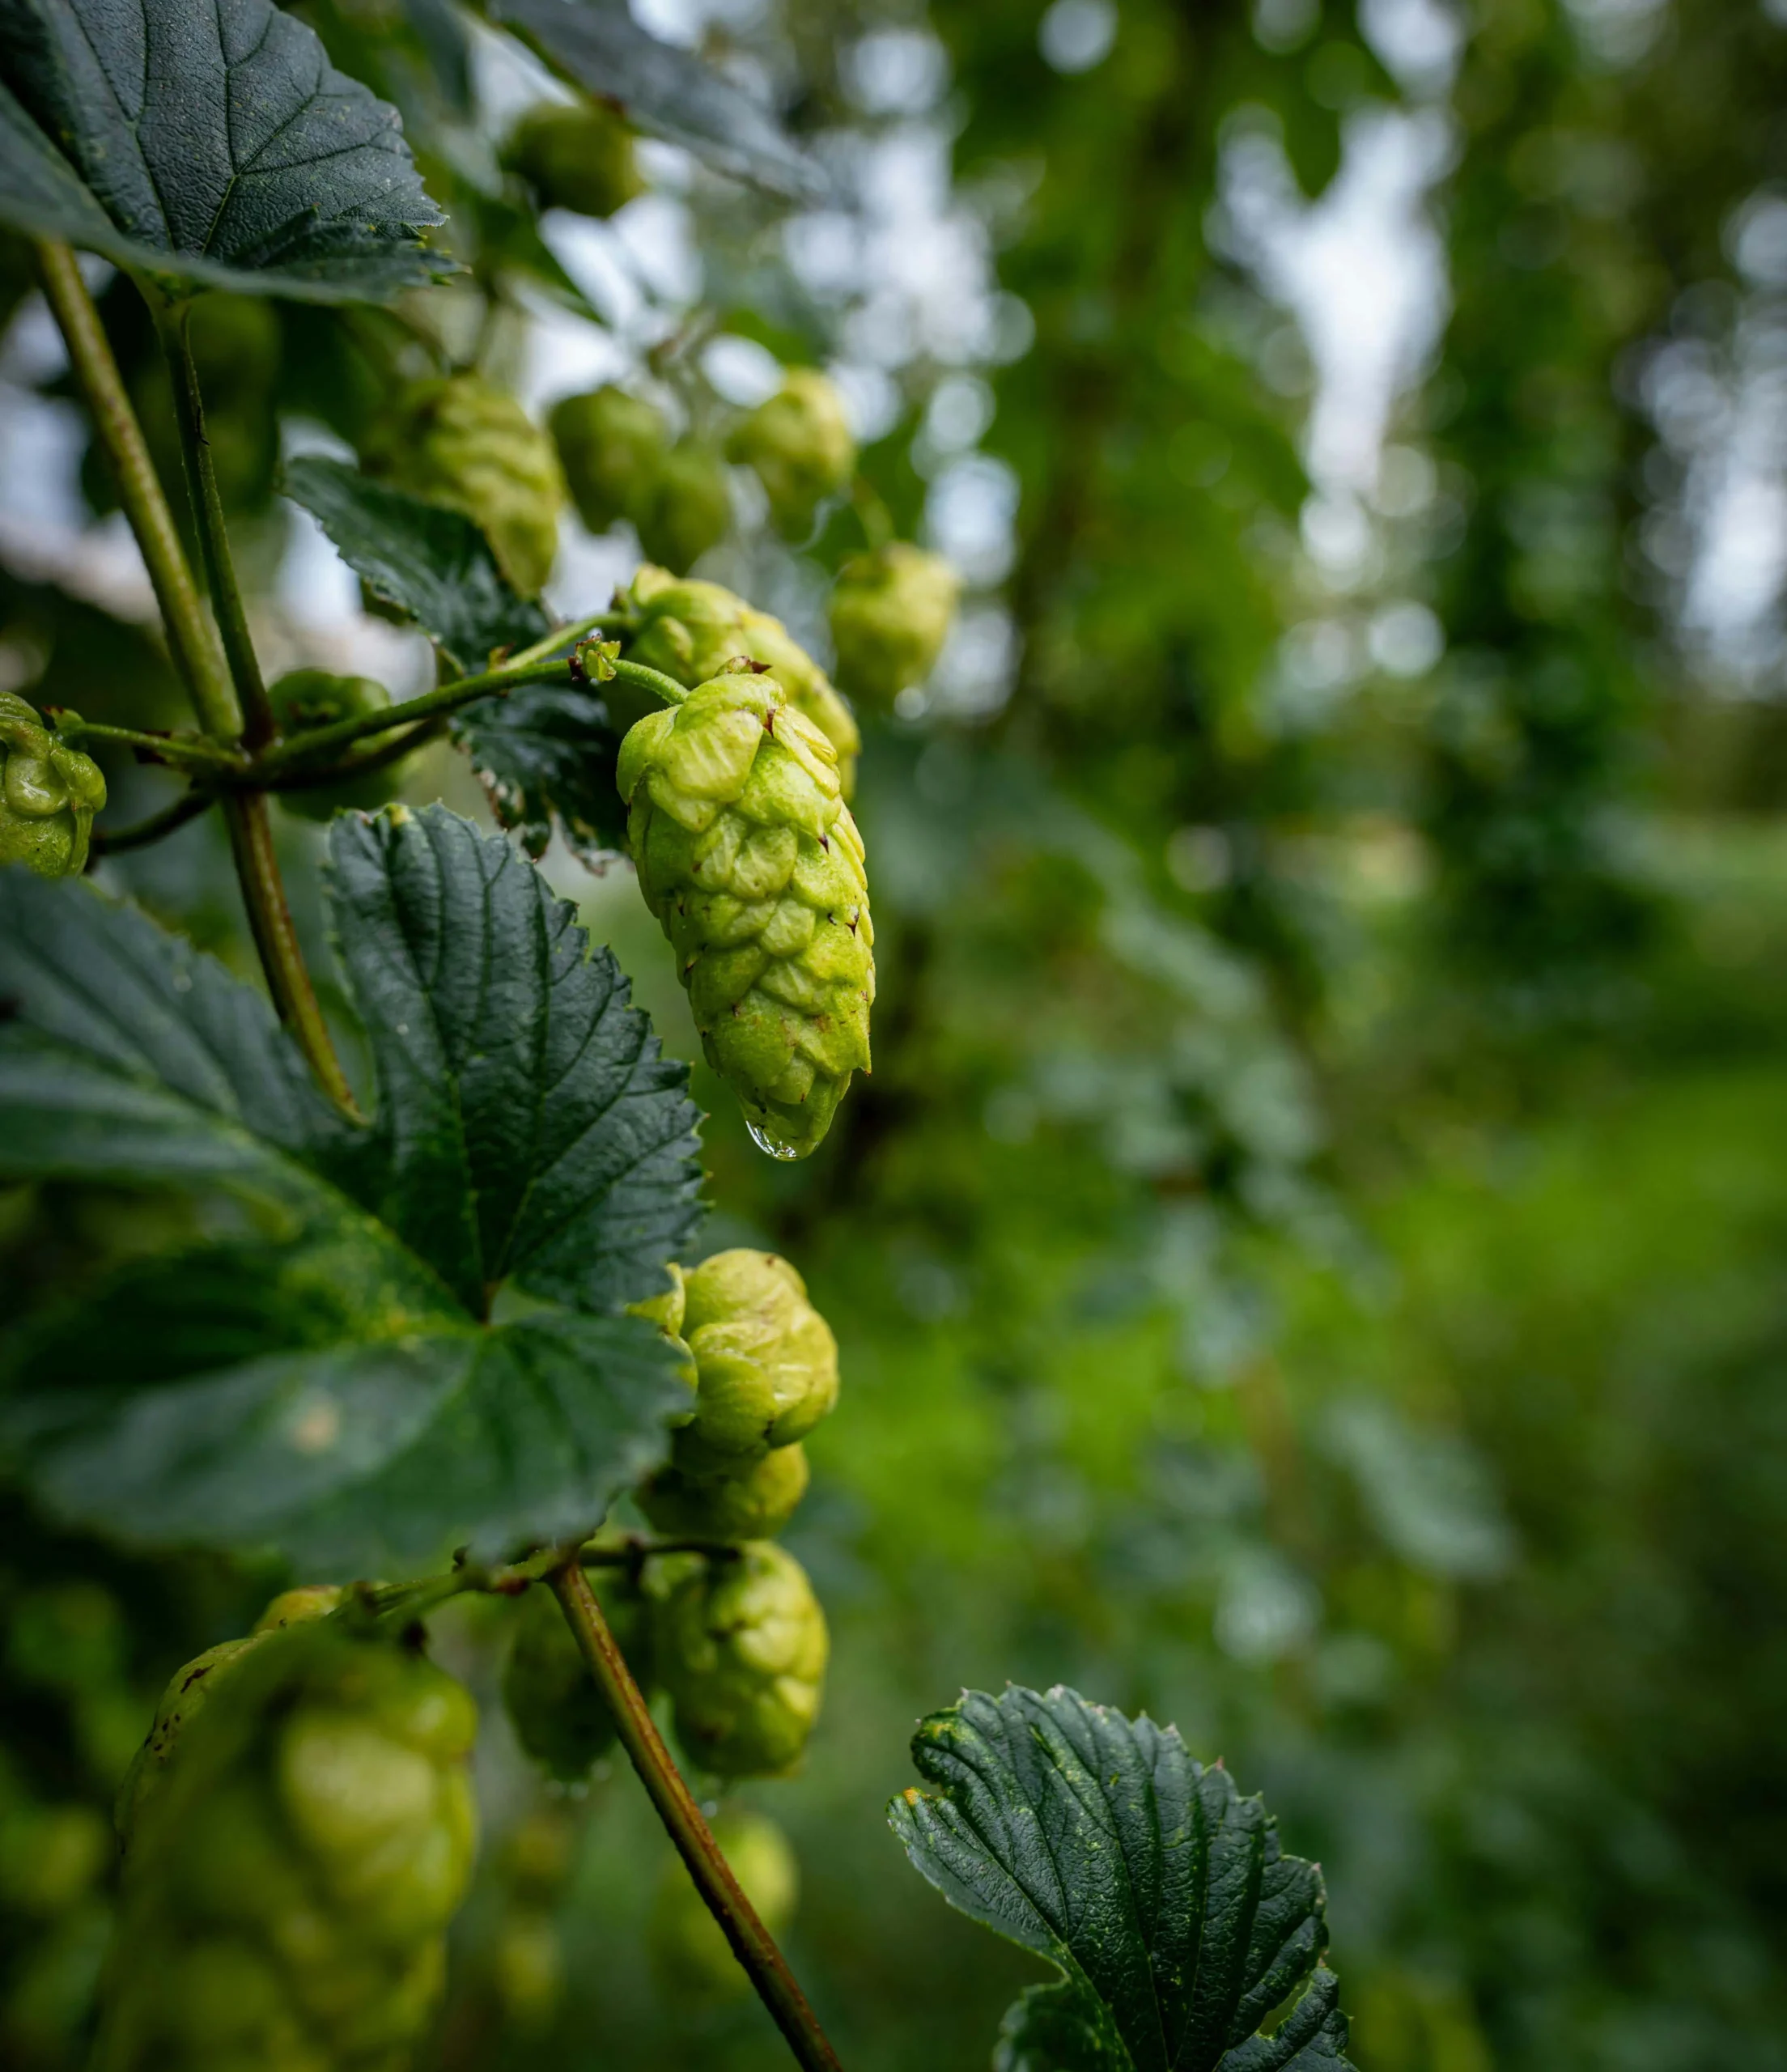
[(692, 630), (288, 1887), (688, 508), (749, 858), (48, 794), (578, 156), (459, 441), (754, 1505), (559, 1716), (307, 698), (741, 1649), (801, 447), (611, 446), (891, 612), (689, 1952)]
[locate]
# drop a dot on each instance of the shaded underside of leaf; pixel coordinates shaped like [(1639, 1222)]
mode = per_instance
[(433, 564), (546, 754), (597, 45), (209, 139), (1160, 1893)]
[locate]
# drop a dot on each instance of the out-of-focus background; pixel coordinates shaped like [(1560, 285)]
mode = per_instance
[(1309, 1261)]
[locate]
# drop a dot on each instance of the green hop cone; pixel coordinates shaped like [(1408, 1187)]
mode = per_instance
[(691, 630), (305, 698), (458, 441), (611, 446), (690, 1952), (801, 447), (748, 857), (48, 794), (891, 612), (559, 1716), (754, 1505), (578, 156), (688, 507), (741, 1647), (288, 1888)]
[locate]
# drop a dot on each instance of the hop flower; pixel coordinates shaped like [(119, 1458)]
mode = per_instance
[(754, 1504), (459, 442), (741, 1650), (559, 1716), (612, 447), (688, 508), (891, 612), (48, 794), (305, 698), (689, 1952), (749, 858), (691, 630), (287, 1889), (800, 444), (575, 156)]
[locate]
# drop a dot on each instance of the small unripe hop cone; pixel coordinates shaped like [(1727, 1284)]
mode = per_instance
[(800, 446), (891, 612), (48, 794), (748, 857)]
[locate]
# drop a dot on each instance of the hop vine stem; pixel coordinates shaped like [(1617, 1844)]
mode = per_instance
[(751, 1942)]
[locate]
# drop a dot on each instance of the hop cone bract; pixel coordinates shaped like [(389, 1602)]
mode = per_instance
[(48, 794), (289, 1883), (749, 858), (691, 630), (741, 1650)]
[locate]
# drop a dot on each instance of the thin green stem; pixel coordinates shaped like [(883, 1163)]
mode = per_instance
[(873, 514), (306, 748), (751, 1942), (192, 640), (666, 690), (113, 842), (306, 780), (173, 325), (178, 751), (619, 623)]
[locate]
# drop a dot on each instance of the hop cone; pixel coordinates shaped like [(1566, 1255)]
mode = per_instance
[(689, 1952), (801, 446), (459, 442), (753, 1505), (891, 612), (748, 857), (611, 446), (741, 1650), (48, 794), (288, 1887), (577, 157), (558, 1715), (691, 630), (305, 698), (688, 508)]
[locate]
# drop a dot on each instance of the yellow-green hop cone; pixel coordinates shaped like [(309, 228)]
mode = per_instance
[(690, 1952), (611, 446), (691, 630), (559, 1716), (801, 446), (306, 698), (766, 1362), (578, 156), (461, 442), (48, 794), (741, 1649), (754, 1504), (687, 509), (287, 1895), (891, 612), (748, 857)]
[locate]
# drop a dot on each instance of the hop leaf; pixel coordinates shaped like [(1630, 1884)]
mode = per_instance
[(749, 858), (48, 794), (800, 444), (691, 631), (741, 1650), (891, 612)]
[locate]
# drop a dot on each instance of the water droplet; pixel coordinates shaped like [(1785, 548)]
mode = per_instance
[(777, 1147)]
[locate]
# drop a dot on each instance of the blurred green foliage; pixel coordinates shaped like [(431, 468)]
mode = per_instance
[(1307, 1261)]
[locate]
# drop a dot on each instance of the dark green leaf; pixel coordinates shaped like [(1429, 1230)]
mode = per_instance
[(547, 752), (210, 139), (335, 1393), (434, 564), (597, 45), (1161, 1893)]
